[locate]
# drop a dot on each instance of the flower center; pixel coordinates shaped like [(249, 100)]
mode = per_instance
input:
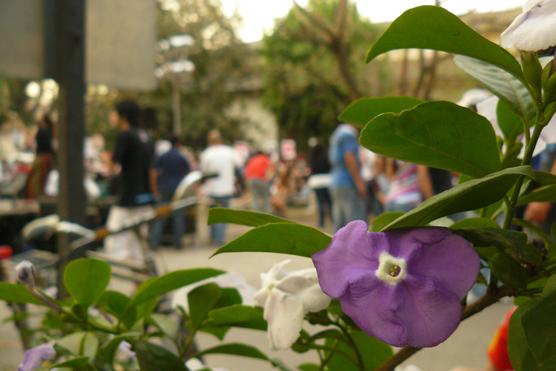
[(390, 269)]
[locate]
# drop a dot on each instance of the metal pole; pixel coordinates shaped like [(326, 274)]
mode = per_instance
[(70, 74)]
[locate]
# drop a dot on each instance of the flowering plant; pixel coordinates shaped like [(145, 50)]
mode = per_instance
[(404, 282)]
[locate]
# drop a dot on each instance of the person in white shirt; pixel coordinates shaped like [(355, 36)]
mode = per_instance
[(221, 160)]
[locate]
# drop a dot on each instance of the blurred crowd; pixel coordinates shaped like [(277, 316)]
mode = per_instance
[(342, 179)]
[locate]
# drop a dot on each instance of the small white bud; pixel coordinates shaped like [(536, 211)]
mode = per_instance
[(26, 273)]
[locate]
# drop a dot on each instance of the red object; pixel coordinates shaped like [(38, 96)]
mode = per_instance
[(498, 348), (5, 252), (257, 167)]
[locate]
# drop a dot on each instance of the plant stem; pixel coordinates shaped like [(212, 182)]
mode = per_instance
[(353, 345), (478, 306), (526, 161)]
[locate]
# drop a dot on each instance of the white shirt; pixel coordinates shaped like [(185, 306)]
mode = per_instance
[(222, 160)]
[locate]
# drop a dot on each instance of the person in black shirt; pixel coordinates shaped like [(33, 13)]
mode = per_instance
[(44, 159), (320, 179), (132, 160)]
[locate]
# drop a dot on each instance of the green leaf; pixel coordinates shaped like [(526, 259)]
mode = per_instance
[(504, 85), (474, 223), (373, 351), (437, 134), (201, 300), (510, 122), (508, 270), (433, 27), (518, 348), (152, 357), (242, 217), (76, 363), (471, 195), (166, 323), (162, 285), (545, 193), (308, 367), (237, 316), (550, 285), (235, 349), (364, 110), (114, 302), (540, 330), (295, 239), (80, 344), (86, 279), (16, 293), (384, 219)]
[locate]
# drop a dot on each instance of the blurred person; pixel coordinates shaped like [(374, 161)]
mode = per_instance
[(349, 192), (281, 189), (170, 169), (132, 159), (221, 160), (258, 172), (368, 173), (44, 160), (409, 185), (320, 179)]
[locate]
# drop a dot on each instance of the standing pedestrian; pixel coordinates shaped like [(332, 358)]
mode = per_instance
[(44, 160), (348, 189), (170, 169), (132, 159), (219, 160), (258, 173), (320, 179)]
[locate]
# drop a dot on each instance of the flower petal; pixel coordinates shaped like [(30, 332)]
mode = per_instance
[(429, 314), (284, 314), (372, 305), (351, 255), (452, 263), (305, 286), (534, 29), (34, 357)]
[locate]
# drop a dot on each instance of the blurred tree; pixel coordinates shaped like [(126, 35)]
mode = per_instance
[(220, 64), (314, 66)]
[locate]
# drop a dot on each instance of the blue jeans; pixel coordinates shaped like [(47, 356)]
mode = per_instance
[(347, 206), (324, 203), (218, 231), (178, 224), (260, 191)]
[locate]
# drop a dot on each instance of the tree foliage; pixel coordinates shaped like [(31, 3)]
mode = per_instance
[(312, 66)]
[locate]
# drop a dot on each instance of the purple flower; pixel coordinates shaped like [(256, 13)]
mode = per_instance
[(34, 357), (403, 286)]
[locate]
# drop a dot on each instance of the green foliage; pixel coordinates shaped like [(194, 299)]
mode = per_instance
[(433, 27), (169, 282), (236, 349), (304, 76), (373, 352), (295, 239), (86, 280), (510, 122), (237, 316), (438, 134), (152, 357), (546, 193), (242, 217), (18, 294), (381, 221), (473, 194), (362, 110), (506, 86)]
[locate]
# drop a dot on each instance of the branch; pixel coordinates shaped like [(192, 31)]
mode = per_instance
[(315, 21), (484, 302)]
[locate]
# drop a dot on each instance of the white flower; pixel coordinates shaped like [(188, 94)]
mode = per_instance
[(194, 364), (286, 297), (534, 29)]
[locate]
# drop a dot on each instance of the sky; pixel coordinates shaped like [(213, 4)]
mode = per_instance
[(258, 15)]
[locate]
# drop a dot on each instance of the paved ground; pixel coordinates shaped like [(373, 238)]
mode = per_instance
[(467, 347)]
